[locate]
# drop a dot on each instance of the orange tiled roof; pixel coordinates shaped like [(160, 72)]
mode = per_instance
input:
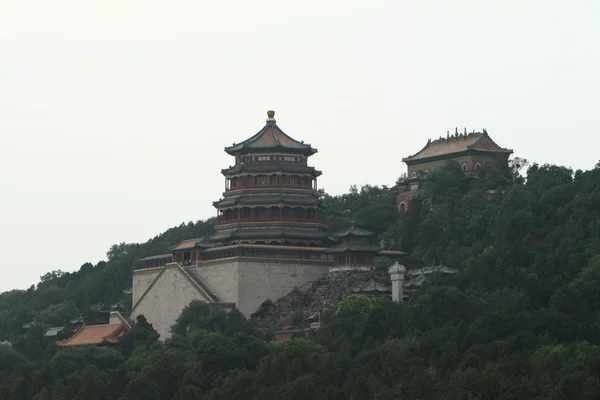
[(187, 244), (457, 144), (95, 334)]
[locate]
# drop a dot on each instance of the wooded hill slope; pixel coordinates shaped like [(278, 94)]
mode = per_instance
[(520, 320)]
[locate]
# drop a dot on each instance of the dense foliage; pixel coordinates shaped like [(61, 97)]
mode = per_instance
[(520, 320)]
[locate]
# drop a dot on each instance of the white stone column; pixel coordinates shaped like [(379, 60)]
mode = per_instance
[(396, 272)]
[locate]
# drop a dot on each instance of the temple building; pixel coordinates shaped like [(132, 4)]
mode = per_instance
[(355, 252), (99, 335), (475, 152), (270, 237)]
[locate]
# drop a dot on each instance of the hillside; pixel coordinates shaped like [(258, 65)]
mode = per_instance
[(323, 296), (520, 320)]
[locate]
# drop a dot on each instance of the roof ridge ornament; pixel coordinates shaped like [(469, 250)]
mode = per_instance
[(271, 117)]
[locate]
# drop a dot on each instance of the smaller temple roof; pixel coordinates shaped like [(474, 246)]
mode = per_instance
[(431, 270), (457, 143), (352, 231), (391, 253), (54, 331), (271, 138), (371, 287), (157, 257), (192, 244), (95, 335), (354, 248)]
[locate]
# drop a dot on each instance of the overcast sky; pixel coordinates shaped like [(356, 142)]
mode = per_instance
[(114, 114)]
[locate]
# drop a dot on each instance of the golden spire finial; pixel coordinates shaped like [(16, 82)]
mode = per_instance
[(270, 115)]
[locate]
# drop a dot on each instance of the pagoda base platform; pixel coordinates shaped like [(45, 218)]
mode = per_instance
[(351, 268), (160, 294)]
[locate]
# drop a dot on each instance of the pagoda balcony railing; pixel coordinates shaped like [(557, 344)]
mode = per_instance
[(223, 221), (271, 186)]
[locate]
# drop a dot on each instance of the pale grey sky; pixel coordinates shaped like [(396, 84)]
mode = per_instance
[(114, 114)]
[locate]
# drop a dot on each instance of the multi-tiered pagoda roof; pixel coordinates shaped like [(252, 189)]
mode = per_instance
[(271, 195), (271, 139)]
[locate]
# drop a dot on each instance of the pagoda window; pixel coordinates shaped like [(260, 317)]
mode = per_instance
[(273, 180), (262, 179), (414, 175), (227, 215), (264, 158), (260, 213), (310, 213), (299, 213), (274, 212), (477, 166), (402, 207), (286, 212), (245, 213), (285, 180), (290, 159), (465, 167), (293, 181)]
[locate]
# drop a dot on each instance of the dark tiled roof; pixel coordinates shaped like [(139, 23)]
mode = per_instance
[(352, 231), (157, 257), (354, 248), (265, 247), (269, 233), (271, 137), (268, 199), (457, 144), (391, 253)]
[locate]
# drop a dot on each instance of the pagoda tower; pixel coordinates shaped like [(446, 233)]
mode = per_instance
[(271, 195)]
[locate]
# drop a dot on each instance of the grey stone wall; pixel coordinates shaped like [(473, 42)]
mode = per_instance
[(272, 279), (166, 299), (220, 276)]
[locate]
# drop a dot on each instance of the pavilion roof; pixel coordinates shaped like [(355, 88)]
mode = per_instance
[(391, 253), (352, 231), (372, 286), (189, 244), (95, 335), (354, 248), (156, 257), (271, 138), (457, 143)]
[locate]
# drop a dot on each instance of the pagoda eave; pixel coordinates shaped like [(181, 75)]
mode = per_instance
[(304, 223), (278, 169), (245, 149)]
